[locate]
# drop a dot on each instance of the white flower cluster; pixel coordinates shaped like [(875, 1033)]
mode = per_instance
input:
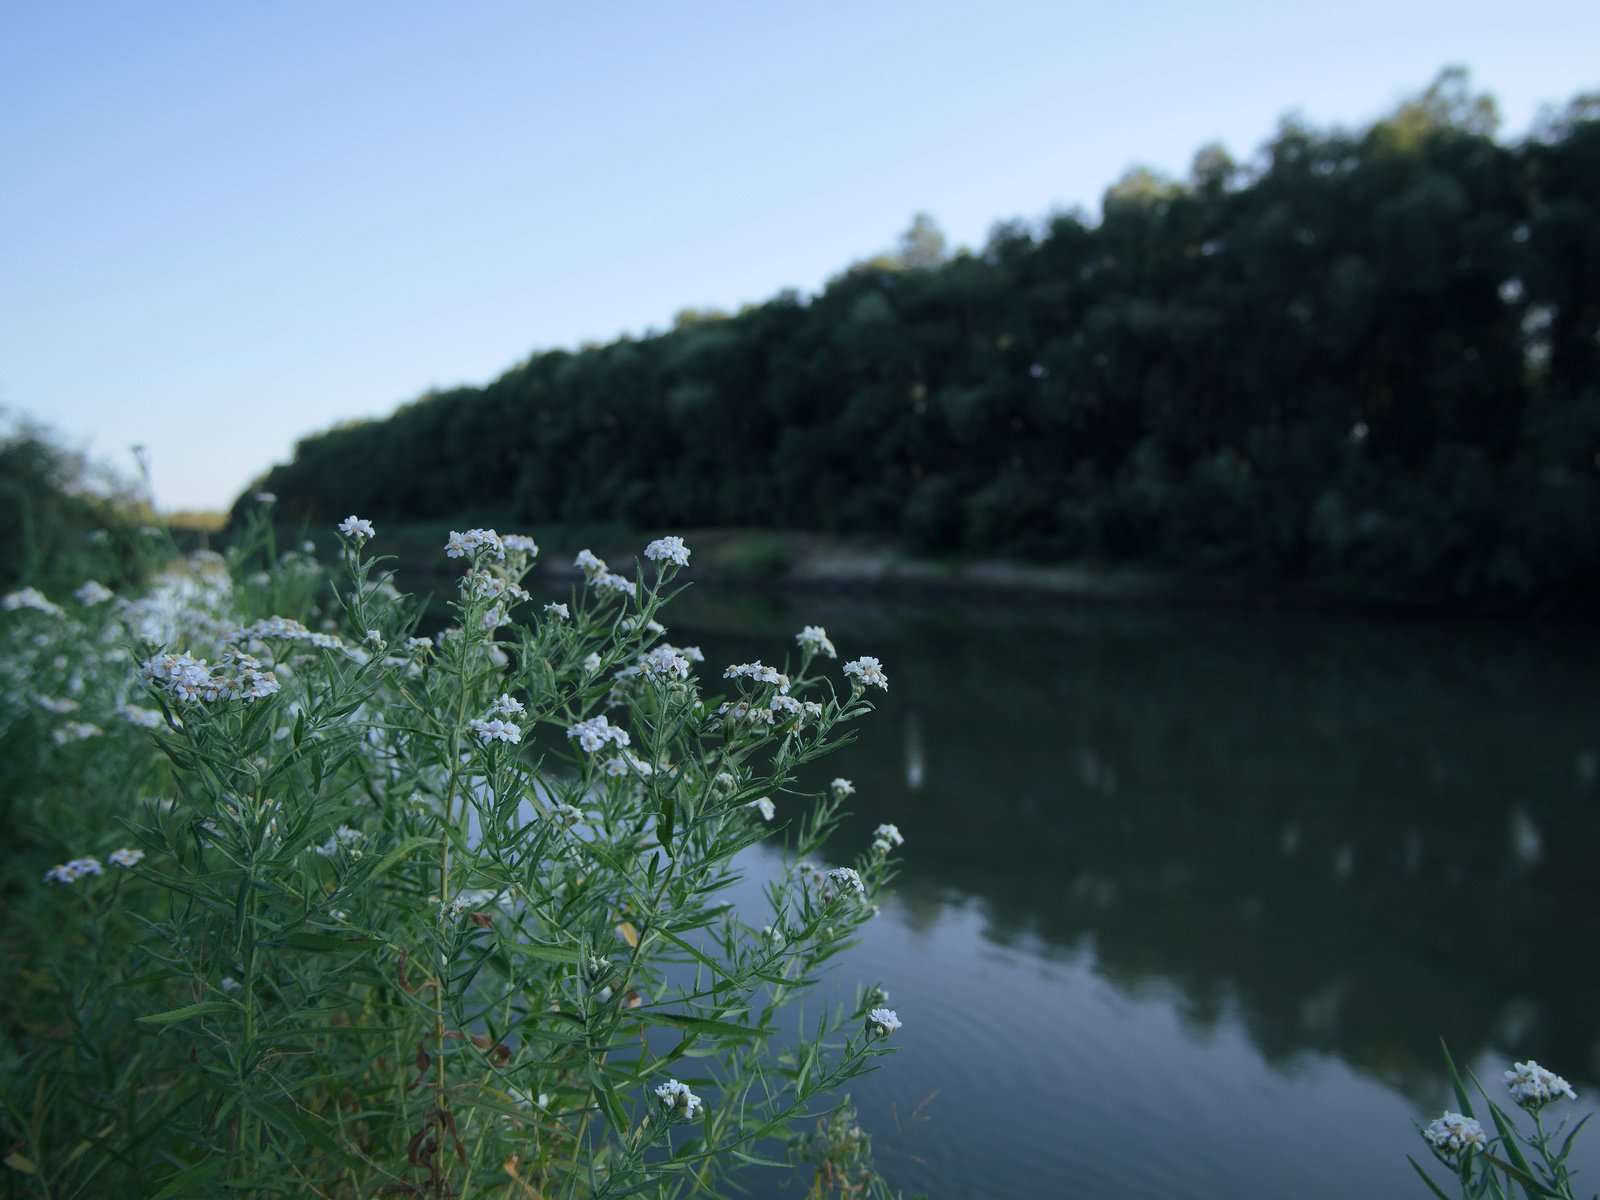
[(596, 732), (282, 629), (846, 879), (520, 543), (589, 563), (815, 639), (867, 672), (186, 678), (144, 718), (886, 837), (30, 598), (677, 1099), (881, 1022), (357, 528), (124, 857), (776, 711), (558, 611), (760, 673), (667, 662), (495, 730), (842, 787), (671, 549), (475, 542), (342, 836), (1533, 1087), (73, 871), (606, 581), (1456, 1135), (489, 586), (617, 767), (93, 592), (765, 807), (74, 731)]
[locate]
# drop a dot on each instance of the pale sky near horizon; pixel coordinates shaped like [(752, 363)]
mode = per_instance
[(226, 226)]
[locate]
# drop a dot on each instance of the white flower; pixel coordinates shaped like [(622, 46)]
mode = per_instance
[(418, 645), (93, 592), (144, 718), (867, 671), (881, 1022), (1454, 1134), (558, 611), (591, 662), (667, 662), (495, 730), (677, 1099), (608, 582), (621, 765), (74, 731), (596, 732), (356, 527), (847, 880), (589, 563), (30, 598), (60, 707), (518, 543), (342, 836), (759, 672), (815, 639), (765, 807), (230, 984), (843, 787), (374, 638), (125, 857), (886, 837), (506, 706), (472, 542), (73, 871), (1533, 1087), (670, 548)]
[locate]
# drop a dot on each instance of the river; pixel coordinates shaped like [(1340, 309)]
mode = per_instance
[(1189, 900)]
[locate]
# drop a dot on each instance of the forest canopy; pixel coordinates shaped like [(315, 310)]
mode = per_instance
[(1368, 359)]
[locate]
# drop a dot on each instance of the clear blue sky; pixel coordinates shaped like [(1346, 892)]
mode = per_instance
[(226, 225)]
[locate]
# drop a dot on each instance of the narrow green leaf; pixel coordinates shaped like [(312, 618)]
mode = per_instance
[(540, 950), (173, 1015), (695, 1024), (1432, 1186), (184, 1182)]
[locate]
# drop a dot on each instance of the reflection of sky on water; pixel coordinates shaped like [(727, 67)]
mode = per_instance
[(1191, 898)]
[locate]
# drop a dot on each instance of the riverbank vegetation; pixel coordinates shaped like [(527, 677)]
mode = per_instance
[(300, 901), (1366, 360)]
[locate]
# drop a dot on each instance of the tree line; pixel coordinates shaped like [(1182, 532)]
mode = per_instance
[(1367, 360)]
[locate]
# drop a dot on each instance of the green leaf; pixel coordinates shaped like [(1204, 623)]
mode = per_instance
[(1529, 1184), (184, 1182), (17, 1162), (321, 942), (540, 950), (1455, 1082), (1432, 1186), (173, 1015), (696, 1024), (405, 848)]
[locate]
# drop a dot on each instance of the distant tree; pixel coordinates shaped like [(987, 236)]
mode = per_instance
[(922, 246)]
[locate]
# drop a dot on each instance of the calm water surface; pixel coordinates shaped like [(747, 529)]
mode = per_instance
[(1189, 900)]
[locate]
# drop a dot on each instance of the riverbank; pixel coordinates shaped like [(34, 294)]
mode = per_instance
[(793, 561)]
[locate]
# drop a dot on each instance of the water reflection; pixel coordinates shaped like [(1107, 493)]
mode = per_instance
[(1336, 841)]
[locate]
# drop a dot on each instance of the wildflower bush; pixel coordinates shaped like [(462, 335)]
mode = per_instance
[(305, 903), (1512, 1161)]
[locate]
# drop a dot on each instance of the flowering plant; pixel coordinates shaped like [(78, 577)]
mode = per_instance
[(1512, 1160), (421, 916)]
